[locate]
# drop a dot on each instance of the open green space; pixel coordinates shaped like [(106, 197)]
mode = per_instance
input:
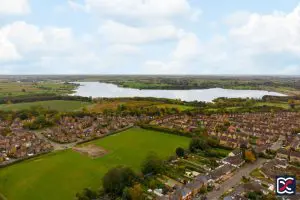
[(60, 105), (60, 175), (12, 88), (284, 105), (179, 107)]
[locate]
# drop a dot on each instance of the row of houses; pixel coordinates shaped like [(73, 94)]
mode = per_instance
[(192, 189), (74, 129), (236, 130), (289, 154), (21, 144)]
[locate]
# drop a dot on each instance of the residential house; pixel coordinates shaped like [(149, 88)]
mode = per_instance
[(236, 152), (183, 193), (295, 156), (220, 172), (235, 161), (283, 153), (196, 185)]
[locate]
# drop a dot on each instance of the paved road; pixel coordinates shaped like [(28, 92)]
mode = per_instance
[(55, 145), (235, 179)]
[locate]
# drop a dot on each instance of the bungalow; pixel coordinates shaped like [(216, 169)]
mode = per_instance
[(196, 185), (283, 153), (235, 152), (235, 161), (261, 149), (182, 194), (219, 173), (295, 156), (280, 163)]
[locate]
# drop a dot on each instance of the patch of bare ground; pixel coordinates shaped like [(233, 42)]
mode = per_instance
[(91, 150)]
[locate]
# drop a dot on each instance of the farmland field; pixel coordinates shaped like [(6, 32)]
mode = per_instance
[(60, 175), (59, 105), (11, 88)]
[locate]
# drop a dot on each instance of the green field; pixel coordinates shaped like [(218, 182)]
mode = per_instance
[(59, 105), (60, 175), (11, 88), (179, 107)]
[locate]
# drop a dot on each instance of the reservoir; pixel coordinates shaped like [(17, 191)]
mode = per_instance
[(96, 89)]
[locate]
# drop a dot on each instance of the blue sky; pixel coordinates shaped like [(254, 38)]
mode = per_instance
[(150, 37)]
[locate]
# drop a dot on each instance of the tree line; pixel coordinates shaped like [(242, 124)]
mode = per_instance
[(42, 97)]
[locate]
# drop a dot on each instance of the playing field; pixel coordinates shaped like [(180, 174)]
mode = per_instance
[(59, 105), (60, 175)]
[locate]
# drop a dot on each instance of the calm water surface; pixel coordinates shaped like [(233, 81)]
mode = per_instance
[(96, 89)]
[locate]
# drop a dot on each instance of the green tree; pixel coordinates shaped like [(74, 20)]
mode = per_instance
[(213, 142), (258, 195), (180, 152), (118, 178), (152, 165), (198, 144)]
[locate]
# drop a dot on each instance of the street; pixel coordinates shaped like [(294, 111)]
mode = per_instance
[(235, 179)]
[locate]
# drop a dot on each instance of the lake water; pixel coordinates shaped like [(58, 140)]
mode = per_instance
[(96, 89)]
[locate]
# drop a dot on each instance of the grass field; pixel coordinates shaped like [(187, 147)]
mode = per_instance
[(10, 88), (280, 105), (60, 175), (59, 105), (179, 107)]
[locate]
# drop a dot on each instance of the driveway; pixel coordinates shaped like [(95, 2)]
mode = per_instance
[(235, 179)]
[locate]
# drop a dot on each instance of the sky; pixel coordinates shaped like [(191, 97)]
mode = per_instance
[(150, 37)]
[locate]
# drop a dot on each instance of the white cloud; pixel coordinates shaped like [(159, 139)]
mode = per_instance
[(124, 49), (8, 51), (160, 67), (187, 48), (143, 9), (257, 44), (237, 18), (31, 39), (277, 33), (186, 51), (116, 32), (55, 50), (14, 7)]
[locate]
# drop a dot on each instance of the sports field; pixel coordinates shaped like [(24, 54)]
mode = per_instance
[(59, 105), (60, 175)]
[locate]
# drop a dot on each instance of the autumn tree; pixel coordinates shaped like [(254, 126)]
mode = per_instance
[(136, 192), (291, 102), (249, 156)]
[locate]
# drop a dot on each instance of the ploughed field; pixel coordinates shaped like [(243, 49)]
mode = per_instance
[(60, 175)]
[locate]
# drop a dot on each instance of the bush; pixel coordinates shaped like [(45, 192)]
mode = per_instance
[(86, 194)]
